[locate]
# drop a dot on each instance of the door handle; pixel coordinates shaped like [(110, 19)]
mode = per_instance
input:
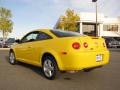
[(29, 46)]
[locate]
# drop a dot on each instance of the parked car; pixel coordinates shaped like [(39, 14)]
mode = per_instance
[(1, 42), (111, 42), (9, 42), (58, 50), (118, 39)]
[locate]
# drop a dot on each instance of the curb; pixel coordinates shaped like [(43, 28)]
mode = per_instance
[(4, 48), (114, 50)]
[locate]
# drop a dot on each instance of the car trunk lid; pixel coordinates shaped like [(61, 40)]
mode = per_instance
[(92, 43)]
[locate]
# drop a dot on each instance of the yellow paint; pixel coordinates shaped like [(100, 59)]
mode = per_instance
[(73, 59)]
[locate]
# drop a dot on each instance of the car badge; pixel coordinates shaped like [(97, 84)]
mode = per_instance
[(96, 44)]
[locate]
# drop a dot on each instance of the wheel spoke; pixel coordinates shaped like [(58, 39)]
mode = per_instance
[(50, 73), (48, 68), (12, 58), (50, 64)]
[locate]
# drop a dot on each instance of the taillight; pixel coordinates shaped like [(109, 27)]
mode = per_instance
[(76, 45), (85, 44)]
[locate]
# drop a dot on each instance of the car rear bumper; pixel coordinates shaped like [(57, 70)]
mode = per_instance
[(83, 60)]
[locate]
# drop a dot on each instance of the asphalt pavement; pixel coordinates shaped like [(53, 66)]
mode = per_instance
[(27, 77)]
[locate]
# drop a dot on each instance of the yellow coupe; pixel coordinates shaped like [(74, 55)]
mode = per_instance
[(58, 50)]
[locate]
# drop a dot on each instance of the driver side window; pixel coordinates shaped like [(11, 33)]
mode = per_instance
[(30, 37)]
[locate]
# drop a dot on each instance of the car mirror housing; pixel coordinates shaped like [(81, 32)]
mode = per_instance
[(18, 41)]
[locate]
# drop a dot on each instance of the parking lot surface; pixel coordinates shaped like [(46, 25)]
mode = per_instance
[(27, 77)]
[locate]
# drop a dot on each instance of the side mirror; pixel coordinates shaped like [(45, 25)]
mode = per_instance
[(18, 41)]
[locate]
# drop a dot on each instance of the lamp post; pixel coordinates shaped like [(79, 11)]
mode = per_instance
[(96, 26)]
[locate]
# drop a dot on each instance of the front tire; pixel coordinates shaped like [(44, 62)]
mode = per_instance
[(49, 67), (12, 58)]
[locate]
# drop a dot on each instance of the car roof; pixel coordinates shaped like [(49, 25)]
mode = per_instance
[(42, 30)]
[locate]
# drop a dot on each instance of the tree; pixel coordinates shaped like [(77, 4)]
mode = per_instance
[(69, 21), (6, 24)]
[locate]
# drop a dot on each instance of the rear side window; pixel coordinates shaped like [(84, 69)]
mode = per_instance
[(43, 36), (61, 33)]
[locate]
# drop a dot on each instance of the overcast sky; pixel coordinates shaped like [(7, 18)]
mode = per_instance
[(33, 14)]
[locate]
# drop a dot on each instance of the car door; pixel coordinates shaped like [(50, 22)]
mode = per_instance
[(39, 46), (26, 48)]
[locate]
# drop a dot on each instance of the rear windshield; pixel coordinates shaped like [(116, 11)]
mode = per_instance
[(61, 33)]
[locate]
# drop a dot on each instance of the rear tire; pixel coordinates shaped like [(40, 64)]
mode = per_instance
[(88, 70), (12, 59), (49, 67)]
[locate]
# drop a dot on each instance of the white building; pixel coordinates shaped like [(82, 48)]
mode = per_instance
[(109, 27)]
